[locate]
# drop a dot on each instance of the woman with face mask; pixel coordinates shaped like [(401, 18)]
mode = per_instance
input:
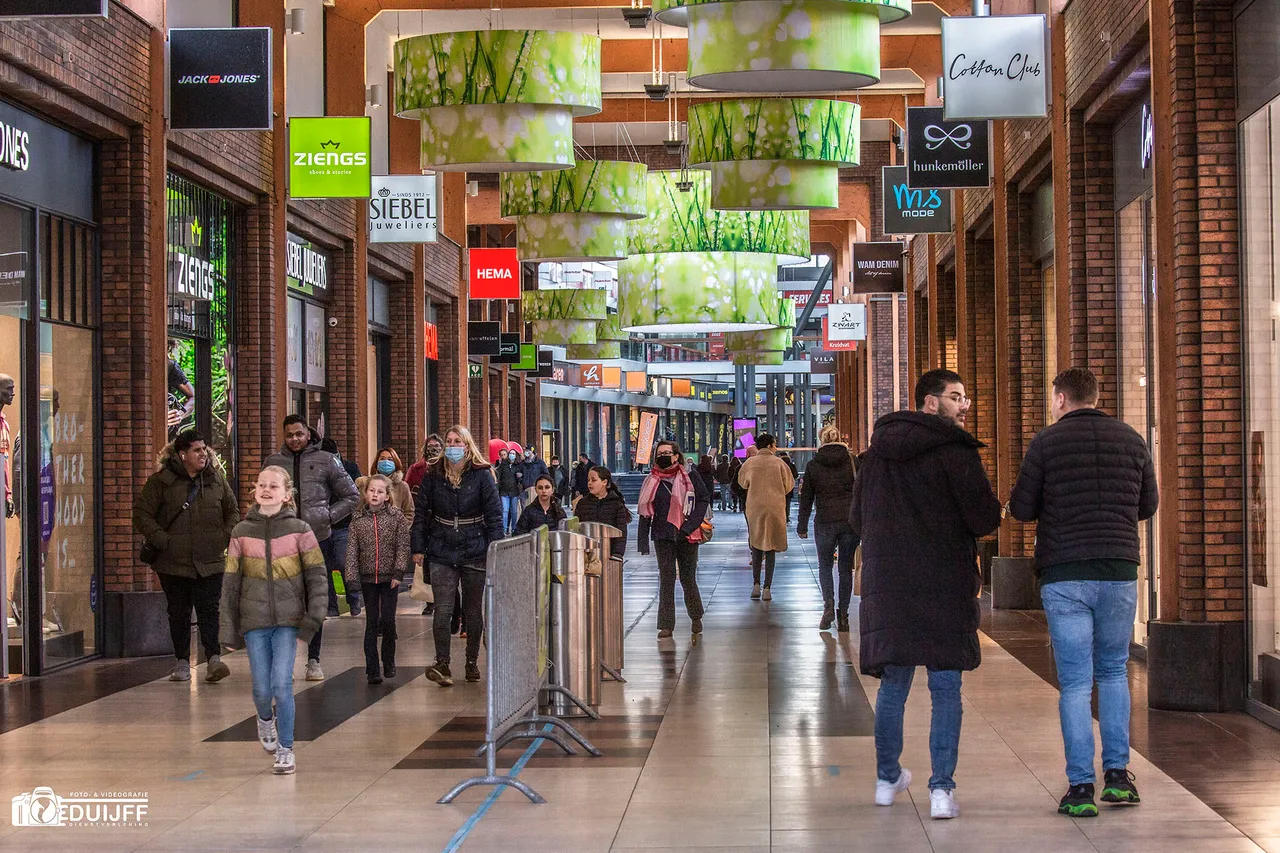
[(432, 450), (458, 515), (387, 463), (673, 504), (509, 488)]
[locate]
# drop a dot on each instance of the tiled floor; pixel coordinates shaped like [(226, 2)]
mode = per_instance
[(757, 738)]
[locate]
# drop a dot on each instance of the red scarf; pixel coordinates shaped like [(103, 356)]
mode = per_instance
[(681, 488)]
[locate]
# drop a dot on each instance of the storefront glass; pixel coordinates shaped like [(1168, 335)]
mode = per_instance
[(16, 273), (1260, 161), (307, 275)]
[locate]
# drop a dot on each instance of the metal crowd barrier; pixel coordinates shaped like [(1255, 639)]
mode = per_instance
[(607, 615), (517, 598)]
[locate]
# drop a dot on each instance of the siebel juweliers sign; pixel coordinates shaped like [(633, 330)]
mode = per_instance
[(402, 209), (220, 79)]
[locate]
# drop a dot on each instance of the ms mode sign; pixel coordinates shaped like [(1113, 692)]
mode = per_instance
[(908, 211)]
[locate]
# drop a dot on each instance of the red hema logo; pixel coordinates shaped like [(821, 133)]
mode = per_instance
[(495, 273)]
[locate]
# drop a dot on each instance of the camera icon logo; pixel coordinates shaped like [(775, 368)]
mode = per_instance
[(38, 807)]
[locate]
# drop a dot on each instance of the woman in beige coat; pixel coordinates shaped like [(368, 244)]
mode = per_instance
[(768, 481)]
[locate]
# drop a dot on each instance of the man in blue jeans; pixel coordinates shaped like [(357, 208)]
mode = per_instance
[(1088, 480), (920, 500)]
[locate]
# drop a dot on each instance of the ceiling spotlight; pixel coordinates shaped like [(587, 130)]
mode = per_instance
[(673, 146), (637, 17), (657, 91)]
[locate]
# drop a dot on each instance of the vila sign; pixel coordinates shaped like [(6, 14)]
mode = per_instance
[(53, 8), (822, 362), (494, 273), (877, 268), (484, 338), (847, 321), (402, 209), (945, 154), (908, 211), (995, 67), (329, 157), (220, 79)]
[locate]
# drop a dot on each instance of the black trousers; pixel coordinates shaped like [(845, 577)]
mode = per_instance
[(379, 618), (766, 557), (677, 558), (444, 583), (204, 594)]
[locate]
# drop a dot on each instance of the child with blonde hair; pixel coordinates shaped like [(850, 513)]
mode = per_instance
[(275, 593), (377, 559)]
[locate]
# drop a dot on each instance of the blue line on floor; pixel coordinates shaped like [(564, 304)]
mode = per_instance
[(463, 831)]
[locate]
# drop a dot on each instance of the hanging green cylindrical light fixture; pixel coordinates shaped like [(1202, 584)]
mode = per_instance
[(564, 317), (767, 358), (775, 153), (601, 349), (778, 339), (577, 214), (497, 100), (782, 45)]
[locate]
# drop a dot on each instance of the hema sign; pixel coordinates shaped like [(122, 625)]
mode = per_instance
[(995, 67), (220, 79)]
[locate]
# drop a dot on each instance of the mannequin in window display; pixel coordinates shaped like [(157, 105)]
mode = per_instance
[(6, 473), (45, 508)]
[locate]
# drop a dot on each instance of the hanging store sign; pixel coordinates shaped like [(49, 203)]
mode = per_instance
[(908, 211), (995, 67), (431, 341), (330, 157), (220, 79), (546, 363), (644, 441), (306, 268), (847, 321), (878, 268), (592, 375), (508, 349), (53, 8), (945, 154), (402, 209), (822, 362), (611, 378), (493, 273), (528, 360), (484, 338)]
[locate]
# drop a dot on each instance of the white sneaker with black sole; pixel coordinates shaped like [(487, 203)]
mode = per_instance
[(285, 762), (267, 735), (887, 791), (942, 805), (181, 671)]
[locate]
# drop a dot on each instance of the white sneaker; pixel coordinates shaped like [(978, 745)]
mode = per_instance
[(285, 763), (755, 590), (942, 805), (886, 791), (314, 673), (267, 735), (181, 671), (766, 595)]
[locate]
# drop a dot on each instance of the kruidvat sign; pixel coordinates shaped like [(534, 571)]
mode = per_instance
[(995, 67), (53, 8), (908, 211), (944, 154), (402, 209), (878, 268), (220, 79)]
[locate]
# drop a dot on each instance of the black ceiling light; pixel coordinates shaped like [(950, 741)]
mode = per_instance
[(637, 17)]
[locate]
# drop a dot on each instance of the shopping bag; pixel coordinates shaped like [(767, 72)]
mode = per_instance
[(421, 589), (340, 588)]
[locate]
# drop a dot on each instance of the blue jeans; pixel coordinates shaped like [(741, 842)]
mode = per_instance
[(334, 550), (1090, 625), (510, 512), (944, 729), (271, 654), (830, 537)]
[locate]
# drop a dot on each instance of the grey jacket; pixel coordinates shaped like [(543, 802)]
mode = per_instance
[(322, 490)]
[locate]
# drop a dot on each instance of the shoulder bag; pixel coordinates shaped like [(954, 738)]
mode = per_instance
[(150, 553)]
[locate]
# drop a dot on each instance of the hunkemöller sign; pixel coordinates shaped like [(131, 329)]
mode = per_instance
[(944, 154)]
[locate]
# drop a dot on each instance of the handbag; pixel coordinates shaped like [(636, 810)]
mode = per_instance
[(421, 589), (149, 553), (703, 534)]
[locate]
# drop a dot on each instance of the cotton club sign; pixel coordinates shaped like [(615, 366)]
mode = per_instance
[(494, 273)]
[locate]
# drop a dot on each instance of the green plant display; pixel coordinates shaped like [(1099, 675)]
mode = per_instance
[(759, 359), (551, 237), (591, 352), (591, 186), (766, 340), (564, 305), (676, 11), (684, 221), (697, 291), (564, 332)]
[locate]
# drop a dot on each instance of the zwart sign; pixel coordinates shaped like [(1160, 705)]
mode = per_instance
[(847, 321), (402, 209), (483, 338), (908, 211), (877, 268), (995, 67), (945, 154), (53, 8), (220, 79)]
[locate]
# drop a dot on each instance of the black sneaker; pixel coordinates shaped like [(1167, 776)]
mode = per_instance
[(1078, 802), (697, 626), (842, 621), (429, 609), (389, 670), (473, 671), (375, 678), (1118, 788), (440, 674)]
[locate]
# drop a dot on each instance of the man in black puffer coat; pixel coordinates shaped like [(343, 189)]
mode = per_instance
[(920, 501), (828, 482), (1088, 479)]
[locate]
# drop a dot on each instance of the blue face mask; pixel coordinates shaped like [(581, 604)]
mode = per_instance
[(386, 466), (455, 454)]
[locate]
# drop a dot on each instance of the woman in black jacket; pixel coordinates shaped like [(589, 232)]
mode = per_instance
[(457, 515), (828, 482), (543, 509), (673, 503), (508, 476), (603, 503)]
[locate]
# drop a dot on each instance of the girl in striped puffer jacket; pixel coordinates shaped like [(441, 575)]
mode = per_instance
[(274, 593)]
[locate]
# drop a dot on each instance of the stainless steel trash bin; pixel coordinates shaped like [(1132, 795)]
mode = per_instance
[(570, 667), (614, 631)]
